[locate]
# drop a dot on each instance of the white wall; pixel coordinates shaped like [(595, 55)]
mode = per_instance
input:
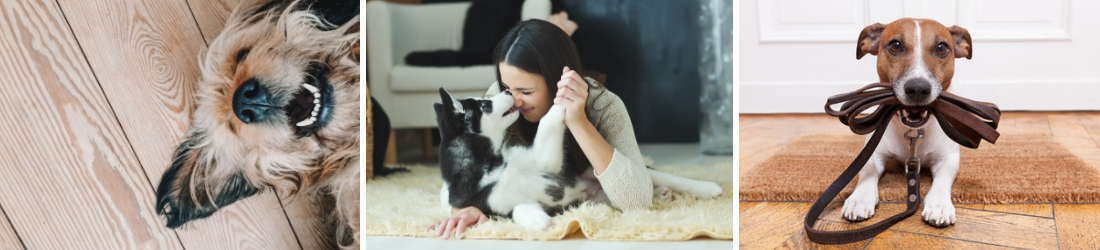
[(1028, 54)]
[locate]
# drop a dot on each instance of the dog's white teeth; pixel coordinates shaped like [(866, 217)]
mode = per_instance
[(314, 114), (307, 122), (316, 95), (904, 113), (316, 101), (311, 89)]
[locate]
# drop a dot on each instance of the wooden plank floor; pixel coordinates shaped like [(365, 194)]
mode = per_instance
[(96, 96), (770, 225)]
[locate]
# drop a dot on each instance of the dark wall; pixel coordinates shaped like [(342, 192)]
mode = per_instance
[(649, 50)]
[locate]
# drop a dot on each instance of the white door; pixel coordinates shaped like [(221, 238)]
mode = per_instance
[(1027, 54)]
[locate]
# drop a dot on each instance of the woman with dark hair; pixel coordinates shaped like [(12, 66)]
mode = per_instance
[(539, 64)]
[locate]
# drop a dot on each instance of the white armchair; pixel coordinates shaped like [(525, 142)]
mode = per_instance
[(407, 92)]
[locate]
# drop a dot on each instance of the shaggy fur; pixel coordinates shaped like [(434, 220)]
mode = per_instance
[(406, 204), (246, 133), (527, 184)]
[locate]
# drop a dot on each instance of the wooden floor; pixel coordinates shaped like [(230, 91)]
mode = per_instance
[(769, 225), (96, 95)]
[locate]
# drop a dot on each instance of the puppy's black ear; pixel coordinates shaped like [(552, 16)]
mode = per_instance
[(438, 114), (868, 40), (196, 185), (446, 97), (450, 104)]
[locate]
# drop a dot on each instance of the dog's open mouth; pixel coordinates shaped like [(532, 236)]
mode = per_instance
[(311, 108), (510, 111), (914, 116)]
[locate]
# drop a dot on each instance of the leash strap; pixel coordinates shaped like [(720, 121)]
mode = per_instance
[(965, 121)]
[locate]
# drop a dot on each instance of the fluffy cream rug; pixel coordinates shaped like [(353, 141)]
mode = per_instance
[(406, 204)]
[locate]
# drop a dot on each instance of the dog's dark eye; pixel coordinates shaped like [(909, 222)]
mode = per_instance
[(241, 55), (485, 104), (942, 50), (895, 47)]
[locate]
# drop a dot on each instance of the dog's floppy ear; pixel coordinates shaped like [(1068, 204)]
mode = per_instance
[(962, 42), (336, 12), (868, 40), (197, 185), (353, 50)]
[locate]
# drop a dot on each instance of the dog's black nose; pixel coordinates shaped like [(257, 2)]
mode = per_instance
[(918, 89), (251, 102)]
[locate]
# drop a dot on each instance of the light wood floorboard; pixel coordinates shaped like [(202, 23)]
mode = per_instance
[(97, 94)]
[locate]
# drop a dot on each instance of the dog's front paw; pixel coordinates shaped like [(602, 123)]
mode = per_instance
[(938, 210), (531, 217), (861, 205), (662, 194), (556, 114), (705, 189)]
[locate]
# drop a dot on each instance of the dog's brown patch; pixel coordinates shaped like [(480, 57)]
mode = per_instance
[(895, 43)]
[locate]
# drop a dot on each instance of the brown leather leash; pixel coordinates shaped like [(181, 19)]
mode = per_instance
[(965, 121)]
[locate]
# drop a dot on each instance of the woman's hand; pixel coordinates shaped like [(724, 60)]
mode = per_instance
[(458, 222), (572, 93)]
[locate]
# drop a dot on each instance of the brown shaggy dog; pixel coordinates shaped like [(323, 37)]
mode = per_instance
[(277, 106)]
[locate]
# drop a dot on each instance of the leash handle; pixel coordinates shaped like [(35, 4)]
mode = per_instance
[(965, 121)]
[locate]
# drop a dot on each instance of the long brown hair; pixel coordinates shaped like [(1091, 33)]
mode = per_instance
[(542, 48)]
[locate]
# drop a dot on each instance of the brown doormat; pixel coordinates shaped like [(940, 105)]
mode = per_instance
[(1020, 168)]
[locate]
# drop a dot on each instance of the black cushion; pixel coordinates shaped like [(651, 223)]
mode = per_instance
[(486, 23)]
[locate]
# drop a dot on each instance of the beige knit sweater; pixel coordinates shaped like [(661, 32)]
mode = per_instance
[(625, 180)]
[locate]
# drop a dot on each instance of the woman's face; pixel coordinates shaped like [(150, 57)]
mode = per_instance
[(528, 89)]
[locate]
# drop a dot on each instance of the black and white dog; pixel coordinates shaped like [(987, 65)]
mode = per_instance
[(527, 184)]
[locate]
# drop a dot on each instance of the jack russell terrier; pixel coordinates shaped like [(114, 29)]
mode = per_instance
[(917, 57)]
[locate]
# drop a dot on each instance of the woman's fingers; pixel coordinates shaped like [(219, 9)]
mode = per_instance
[(450, 227), (573, 82), (462, 224), (438, 227), (565, 82), (571, 95), (456, 226)]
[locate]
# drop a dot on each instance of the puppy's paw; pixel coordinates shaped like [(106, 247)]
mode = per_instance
[(662, 194), (531, 217), (861, 205), (555, 114), (938, 210), (704, 189)]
